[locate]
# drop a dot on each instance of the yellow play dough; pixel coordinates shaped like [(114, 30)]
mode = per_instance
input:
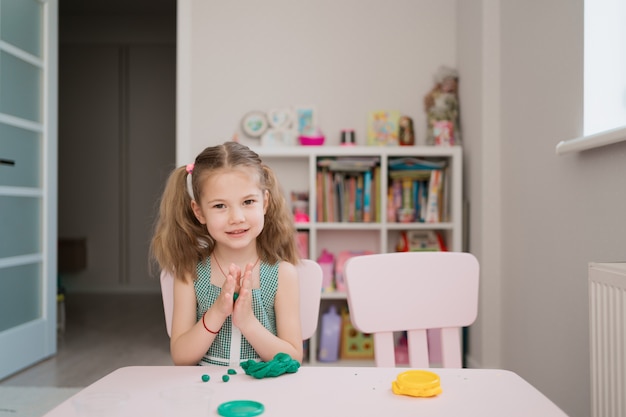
[(417, 384)]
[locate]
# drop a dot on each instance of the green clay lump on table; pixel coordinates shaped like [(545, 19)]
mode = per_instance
[(281, 364)]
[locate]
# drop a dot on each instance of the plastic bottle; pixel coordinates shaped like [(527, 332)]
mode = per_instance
[(330, 332)]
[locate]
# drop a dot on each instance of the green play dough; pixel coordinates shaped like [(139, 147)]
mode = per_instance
[(281, 364)]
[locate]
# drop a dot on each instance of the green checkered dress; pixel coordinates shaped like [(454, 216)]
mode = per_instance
[(230, 348)]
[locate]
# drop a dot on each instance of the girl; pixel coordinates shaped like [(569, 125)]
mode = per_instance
[(231, 247)]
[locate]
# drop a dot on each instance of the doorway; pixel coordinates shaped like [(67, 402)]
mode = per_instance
[(117, 95)]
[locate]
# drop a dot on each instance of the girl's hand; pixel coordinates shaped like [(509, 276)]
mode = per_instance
[(224, 302), (242, 311)]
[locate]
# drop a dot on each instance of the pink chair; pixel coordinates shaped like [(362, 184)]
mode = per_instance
[(310, 274), (413, 291)]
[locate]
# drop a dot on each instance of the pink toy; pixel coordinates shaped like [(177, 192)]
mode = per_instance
[(314, 137), (312, 140), (301, 217), (327, 262), (343, 256)]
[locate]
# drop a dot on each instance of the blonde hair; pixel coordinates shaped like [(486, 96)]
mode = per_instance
[(180, 241)]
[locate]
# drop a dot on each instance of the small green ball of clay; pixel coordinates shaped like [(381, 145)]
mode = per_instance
[(205, 377), (225, 378), (231, 371)]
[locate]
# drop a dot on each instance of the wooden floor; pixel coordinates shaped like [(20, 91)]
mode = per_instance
[(102, 333)]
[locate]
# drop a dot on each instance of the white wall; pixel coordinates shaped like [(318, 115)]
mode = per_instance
[(559, 212), (536, 219), (479, 64), (346, 57)]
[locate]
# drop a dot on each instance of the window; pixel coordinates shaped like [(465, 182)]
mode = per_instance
[(604, 77), (605, 66)]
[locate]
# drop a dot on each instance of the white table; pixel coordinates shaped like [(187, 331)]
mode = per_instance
[(332, 391)]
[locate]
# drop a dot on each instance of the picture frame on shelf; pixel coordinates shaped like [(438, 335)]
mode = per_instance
[(306, 119), (382, 127), (254, 123), (281, 118), (443, 131)]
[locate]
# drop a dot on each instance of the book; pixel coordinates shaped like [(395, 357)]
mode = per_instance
[(411, 163), (349, 163), (415, 194), (351, 199), (340, 199), (367, 196), (396, 191), (433, 202), (423, 200), (330, 197), (418, 174), (447, 190), (407, 190), (319, 202), (376, 196)]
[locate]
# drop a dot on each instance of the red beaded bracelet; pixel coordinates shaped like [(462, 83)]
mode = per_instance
[(204, 324)]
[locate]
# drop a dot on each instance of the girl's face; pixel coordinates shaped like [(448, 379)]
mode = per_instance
[(232, 207)]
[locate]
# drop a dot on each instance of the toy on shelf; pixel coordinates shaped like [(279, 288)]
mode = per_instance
[(354, 344), (300, 204), (327, 262), (442, 109), (342, 257), (406, 134), (315, 137), (420, 240)]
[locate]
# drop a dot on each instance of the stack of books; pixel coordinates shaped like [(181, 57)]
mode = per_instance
[(417, 191), (347, 189)]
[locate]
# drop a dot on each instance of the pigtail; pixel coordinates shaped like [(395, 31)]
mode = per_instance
[(277, 241), (177, 233)]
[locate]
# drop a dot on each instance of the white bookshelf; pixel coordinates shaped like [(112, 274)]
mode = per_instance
[(296, 168)]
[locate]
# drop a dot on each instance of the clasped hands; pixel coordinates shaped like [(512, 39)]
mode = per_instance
[(236, 295)]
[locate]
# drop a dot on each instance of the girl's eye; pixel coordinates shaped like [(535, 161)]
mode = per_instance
[(219, 206), (248, 202)]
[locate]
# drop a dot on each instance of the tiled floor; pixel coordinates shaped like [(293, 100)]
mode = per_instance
[(102, 333)]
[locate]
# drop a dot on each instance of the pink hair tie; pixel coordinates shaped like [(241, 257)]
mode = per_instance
[(189, 168)]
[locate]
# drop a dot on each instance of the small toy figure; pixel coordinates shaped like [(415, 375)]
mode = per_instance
[(406, 135), (442, 109)]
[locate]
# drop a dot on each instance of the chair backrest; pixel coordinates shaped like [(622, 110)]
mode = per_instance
[(413, 292), (310, 280), (310, 277)]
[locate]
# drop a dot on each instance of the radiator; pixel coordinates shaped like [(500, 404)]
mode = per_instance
[(607, 326)]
